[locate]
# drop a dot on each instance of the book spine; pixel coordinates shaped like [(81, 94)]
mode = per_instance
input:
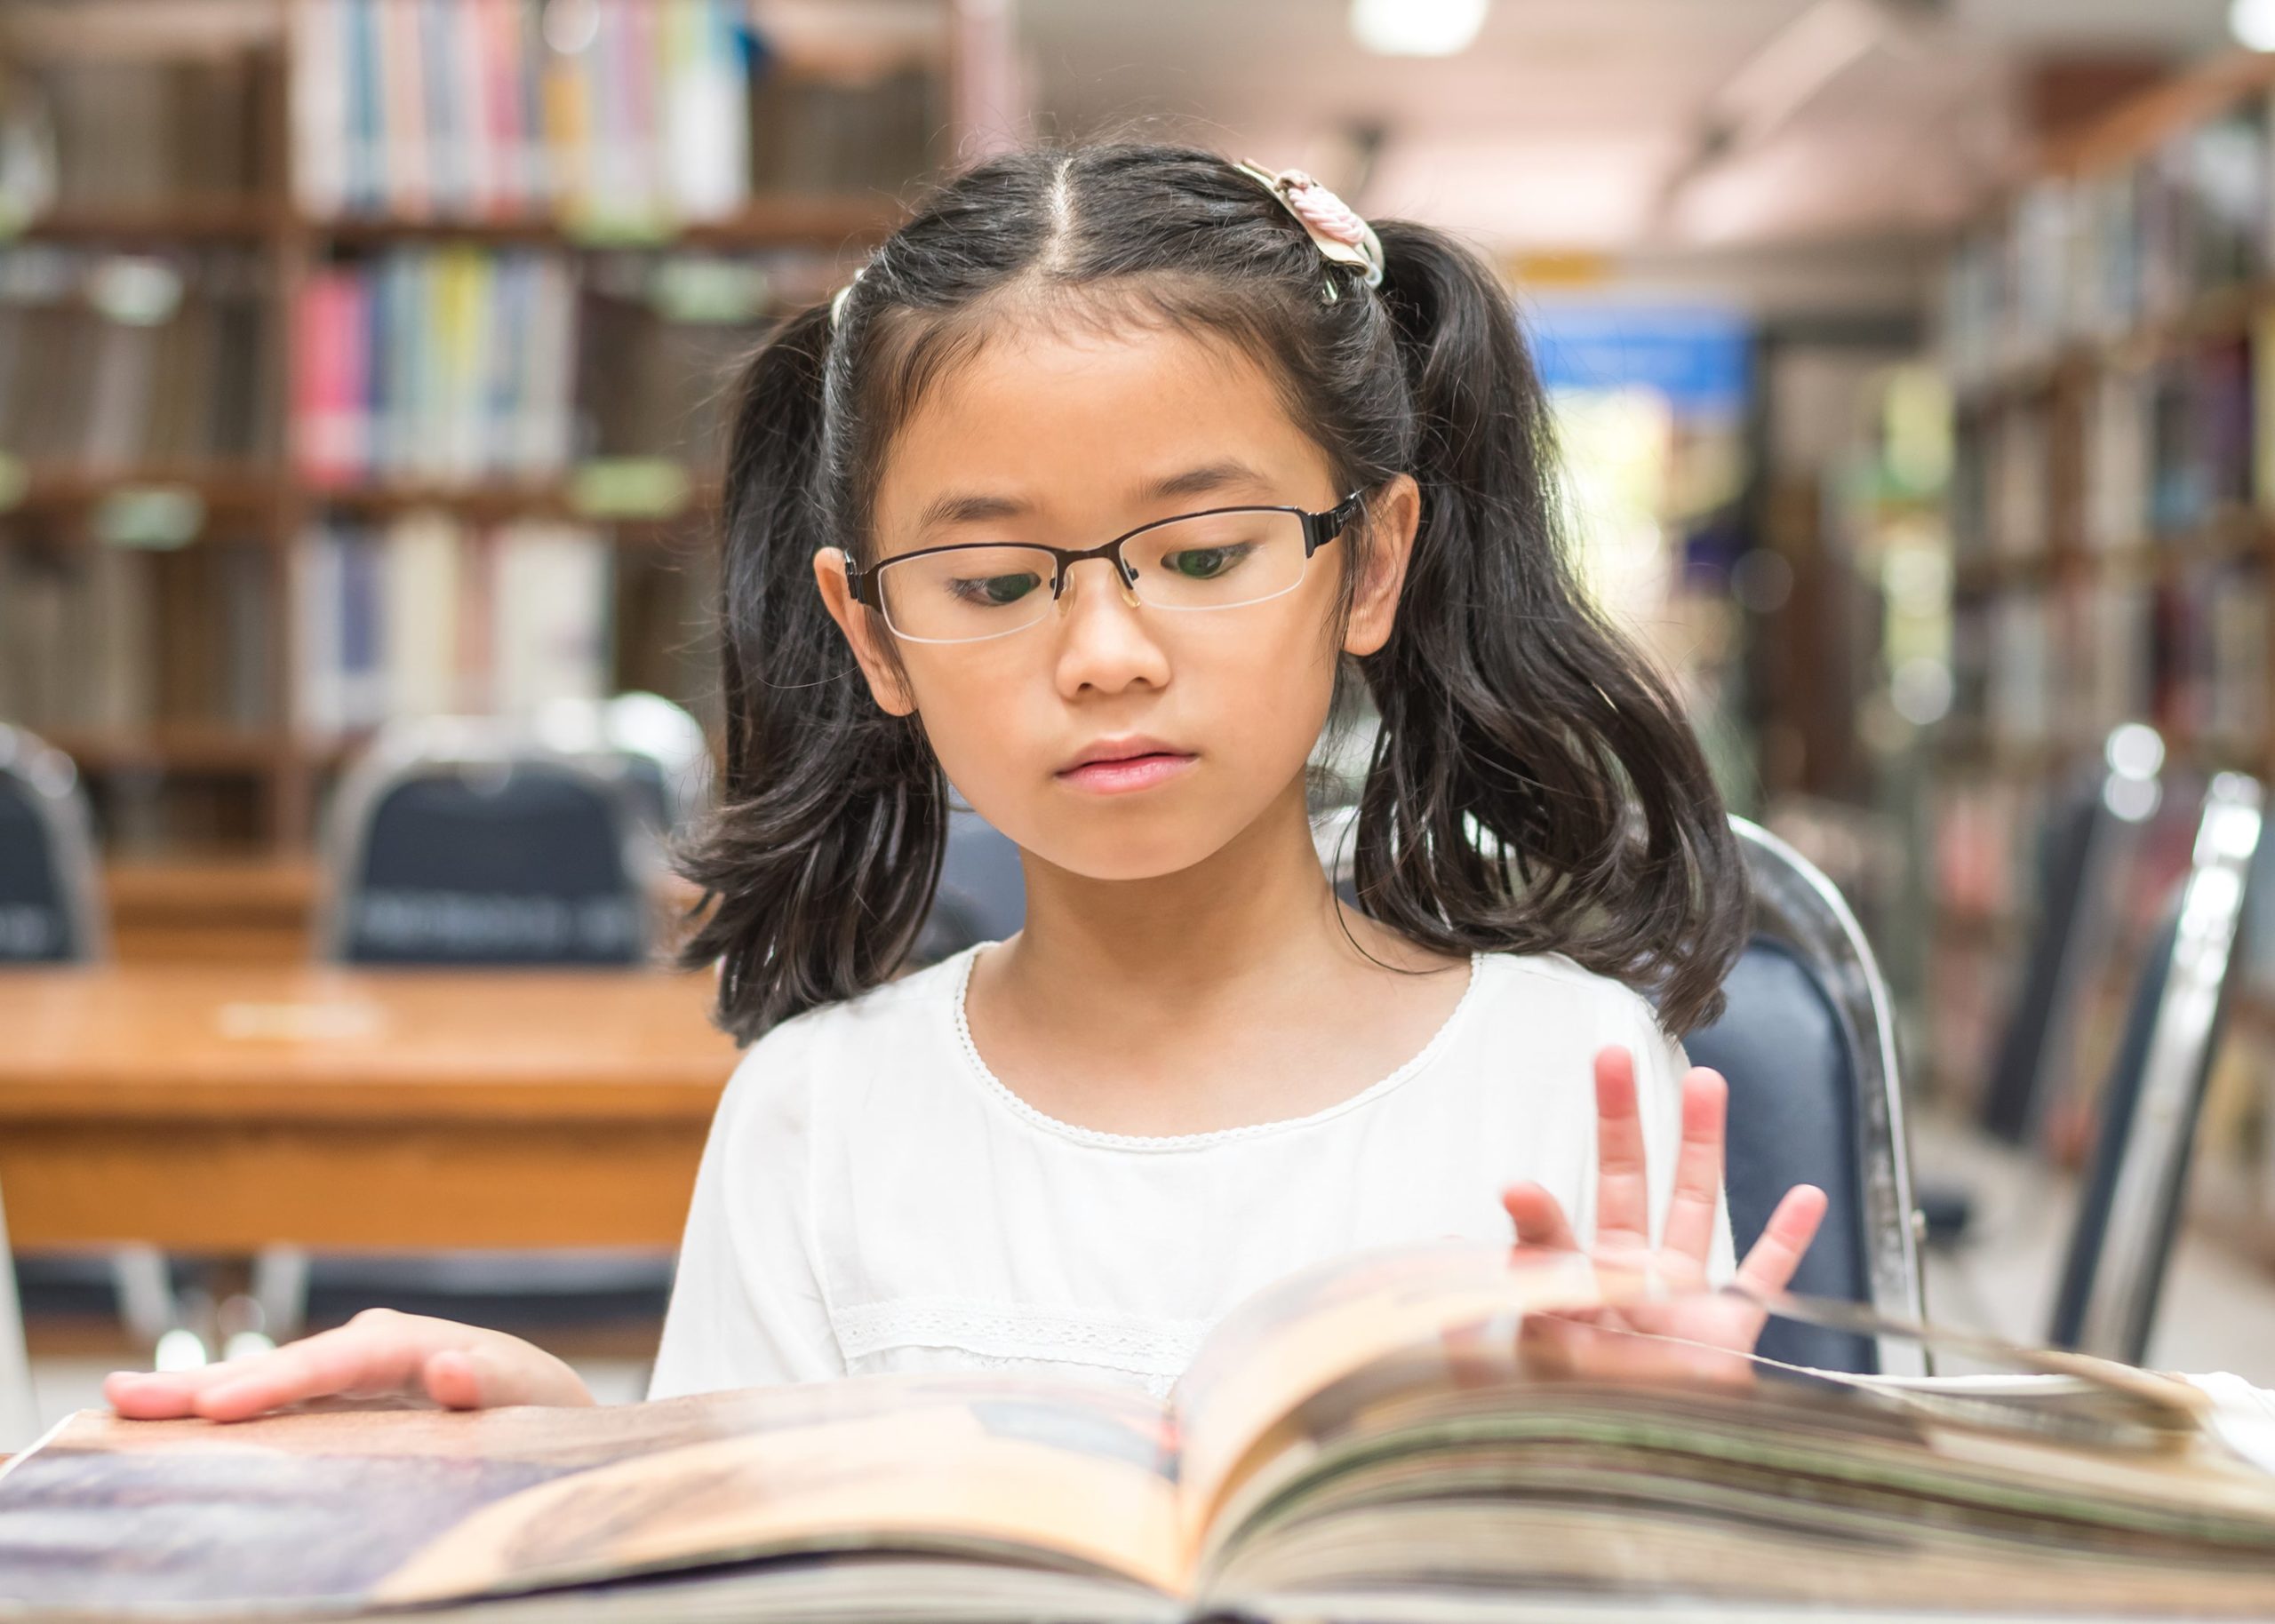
[(404, 111), (320, 111)]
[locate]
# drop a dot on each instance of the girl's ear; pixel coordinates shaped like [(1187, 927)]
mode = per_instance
[(859, 627), (1394, 516)]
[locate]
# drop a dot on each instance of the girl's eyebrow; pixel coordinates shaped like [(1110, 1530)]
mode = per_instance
[(962, 508)]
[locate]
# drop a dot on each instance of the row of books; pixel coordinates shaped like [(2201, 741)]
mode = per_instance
[(448, 363), (2087, 259), (2161, 447), (630, 109), (2188, 653), (456, 363), (122, 640), (109, 360), (426, 615)]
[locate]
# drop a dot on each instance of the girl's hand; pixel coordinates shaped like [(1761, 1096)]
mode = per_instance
[(1712, 1324), (378, 1354)]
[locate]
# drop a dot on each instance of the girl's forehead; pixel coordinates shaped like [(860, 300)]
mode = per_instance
[(1067, 420)]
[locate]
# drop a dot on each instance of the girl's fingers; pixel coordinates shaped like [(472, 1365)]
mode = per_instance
[(148, 1394), (1699, 1165), (1770, 1262), (351, 1360), (1623, 1198), (375, 1353), (1539, 1218), (497, 1371)]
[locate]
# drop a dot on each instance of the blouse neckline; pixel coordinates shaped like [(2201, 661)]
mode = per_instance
[(1099, 1138)]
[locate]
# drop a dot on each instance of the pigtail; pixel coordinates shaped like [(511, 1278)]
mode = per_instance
[(820, 861), (1510, 708)]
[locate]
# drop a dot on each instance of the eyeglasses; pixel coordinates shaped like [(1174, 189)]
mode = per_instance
[(1222, 558)]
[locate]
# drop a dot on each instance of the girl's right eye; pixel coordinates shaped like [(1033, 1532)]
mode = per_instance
[(994, 590)]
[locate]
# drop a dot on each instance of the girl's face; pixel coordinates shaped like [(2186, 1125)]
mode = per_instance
[(1119, 741)]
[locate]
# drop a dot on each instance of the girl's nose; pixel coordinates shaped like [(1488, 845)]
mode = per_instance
[(1104, 640)]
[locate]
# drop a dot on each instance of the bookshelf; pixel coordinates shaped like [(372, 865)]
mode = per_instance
[(362, 357), (2109, 336)]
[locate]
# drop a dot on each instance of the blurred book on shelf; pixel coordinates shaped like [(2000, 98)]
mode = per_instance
[(361, 358), (111, 362), (448, 363), (428, 616), (2108, 331)]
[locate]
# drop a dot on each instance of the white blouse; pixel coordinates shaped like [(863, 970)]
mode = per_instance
[(872, 1198)]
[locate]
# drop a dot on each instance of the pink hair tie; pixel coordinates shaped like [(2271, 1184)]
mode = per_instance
[(1337, 229)]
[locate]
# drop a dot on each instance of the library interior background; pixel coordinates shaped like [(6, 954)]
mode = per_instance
[(361, 371)]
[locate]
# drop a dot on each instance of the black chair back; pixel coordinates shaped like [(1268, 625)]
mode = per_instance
[(1778, 1030), (458, 846), (2085, 845), (1806, 1044), (2129, 1209), (49, 911), (982, 896)]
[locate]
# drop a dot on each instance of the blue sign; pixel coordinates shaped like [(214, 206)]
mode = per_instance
[(1699, 357)]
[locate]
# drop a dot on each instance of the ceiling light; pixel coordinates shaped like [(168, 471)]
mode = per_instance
[(2252, 22), (1416, 28)]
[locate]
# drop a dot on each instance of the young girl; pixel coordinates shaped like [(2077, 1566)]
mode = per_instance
[(1084, 499)]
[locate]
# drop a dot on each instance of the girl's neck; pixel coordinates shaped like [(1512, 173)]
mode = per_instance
[(1226, 993), (1258, 909)]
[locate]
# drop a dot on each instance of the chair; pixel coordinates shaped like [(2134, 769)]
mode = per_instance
[(2129, 1212), (52, 913), (2088, 842), (50, 908), (470, 841), (467, 842), (982, 896), (661, 745), (1807, 1042)]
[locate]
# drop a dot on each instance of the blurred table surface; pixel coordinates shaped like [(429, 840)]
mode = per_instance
[(225, 1107)]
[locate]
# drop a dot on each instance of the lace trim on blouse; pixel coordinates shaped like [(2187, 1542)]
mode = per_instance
[(1189, 1141), (994, 1332)]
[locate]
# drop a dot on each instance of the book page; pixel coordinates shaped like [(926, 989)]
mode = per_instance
[(1081, 1476), (1294, 1338), (342, 1504)]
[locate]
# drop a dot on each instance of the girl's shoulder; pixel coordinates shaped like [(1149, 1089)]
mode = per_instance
[(891, 1018), (1553, 990)]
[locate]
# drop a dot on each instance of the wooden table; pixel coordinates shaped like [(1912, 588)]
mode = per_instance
[(225, 1108)]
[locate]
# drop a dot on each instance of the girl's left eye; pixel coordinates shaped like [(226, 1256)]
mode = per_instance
[(1204, 563)]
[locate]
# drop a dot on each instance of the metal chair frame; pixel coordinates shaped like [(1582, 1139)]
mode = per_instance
[(2134, 1243), (1796, 906)]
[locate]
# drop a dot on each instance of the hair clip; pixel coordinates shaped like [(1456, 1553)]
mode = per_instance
[(1333, 224)]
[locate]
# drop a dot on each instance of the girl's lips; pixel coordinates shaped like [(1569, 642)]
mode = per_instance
[(1128, 773)]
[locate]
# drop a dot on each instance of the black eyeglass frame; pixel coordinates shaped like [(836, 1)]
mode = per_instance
[(1318, 530)]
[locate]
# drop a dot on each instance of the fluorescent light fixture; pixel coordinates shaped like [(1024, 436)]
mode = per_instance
[(1416, 28), (2252, 22)]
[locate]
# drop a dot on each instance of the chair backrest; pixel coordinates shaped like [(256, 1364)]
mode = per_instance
[(1806, 1042), (51, 905), (464, 840), (2089, 834), (982, 896), (665, 754), (2129, 1209)]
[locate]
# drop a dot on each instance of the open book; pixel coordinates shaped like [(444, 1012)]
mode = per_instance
[(1442, 1431)]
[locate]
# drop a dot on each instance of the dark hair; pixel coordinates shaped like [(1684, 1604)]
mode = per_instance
[(1515, 720)]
